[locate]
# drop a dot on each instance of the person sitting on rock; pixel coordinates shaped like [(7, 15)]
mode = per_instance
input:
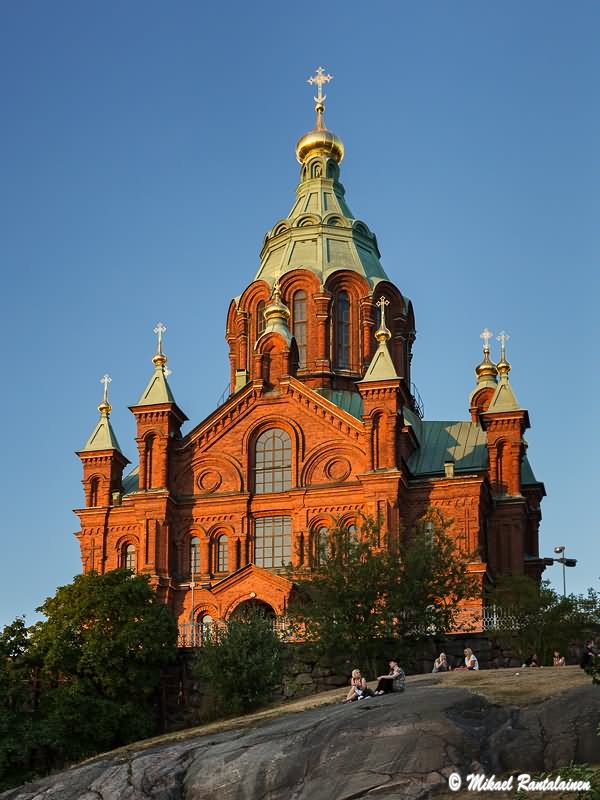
[(441, 664), (393, 681), (358, 688), (470, 659), (558, 660)]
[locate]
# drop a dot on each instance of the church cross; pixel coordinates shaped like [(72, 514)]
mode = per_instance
[(159, 330), (105, 379), (503, 338), (320, 79), (382, 303), (486, 335)]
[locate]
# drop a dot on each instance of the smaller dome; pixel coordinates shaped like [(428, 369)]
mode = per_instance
[(322, 142), (487, 370)]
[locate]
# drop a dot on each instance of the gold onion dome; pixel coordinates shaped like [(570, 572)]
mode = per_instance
[(487, 370), (276, 308), (104, 408), (320, 141)]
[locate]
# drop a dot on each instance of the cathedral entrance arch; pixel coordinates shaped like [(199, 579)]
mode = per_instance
[(251, 607)]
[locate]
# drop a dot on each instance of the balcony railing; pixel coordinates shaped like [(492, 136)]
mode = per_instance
[(197, 634)]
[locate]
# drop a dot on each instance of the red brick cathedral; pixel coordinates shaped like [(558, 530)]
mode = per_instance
[(322, 425)]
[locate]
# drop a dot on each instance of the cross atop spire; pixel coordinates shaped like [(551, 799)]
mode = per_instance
[(159, 330), (486, 335), (382, 334), (320, 79), (105, 380), (503, 338)]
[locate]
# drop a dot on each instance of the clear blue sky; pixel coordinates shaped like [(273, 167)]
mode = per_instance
[(146, 147)]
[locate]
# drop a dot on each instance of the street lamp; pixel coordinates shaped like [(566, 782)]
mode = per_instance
[(566, 562)]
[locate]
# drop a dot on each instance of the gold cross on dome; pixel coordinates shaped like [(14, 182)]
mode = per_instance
[(503, 338), (486, 335), (320, 79), (105, 379), (382, 303), (159, 330)]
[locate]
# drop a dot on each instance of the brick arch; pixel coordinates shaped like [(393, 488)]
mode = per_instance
[(356, 288), (260, 595), (224, 465), (319, 457), (296, 435)]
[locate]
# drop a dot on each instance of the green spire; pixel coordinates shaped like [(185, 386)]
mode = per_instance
[(158, 390), (103, 436), (504, 398), (320, 233), (381, 367)]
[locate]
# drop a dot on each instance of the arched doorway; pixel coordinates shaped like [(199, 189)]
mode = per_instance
[(253, 607)]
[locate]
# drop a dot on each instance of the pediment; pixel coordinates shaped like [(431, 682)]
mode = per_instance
[(250, 575)]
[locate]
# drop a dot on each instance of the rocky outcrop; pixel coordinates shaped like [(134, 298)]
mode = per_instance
[(385, 748)]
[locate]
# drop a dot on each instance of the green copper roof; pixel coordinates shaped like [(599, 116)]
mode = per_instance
[(131, 482), (320, 233), (157, 390), (465, 443), (527, 476), (504, 398), (103, 437), (344, 399), (381, 367)]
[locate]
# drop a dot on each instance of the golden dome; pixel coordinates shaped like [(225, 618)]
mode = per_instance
[(276, 308), (487, 370), (319, 141), (105, 408), (159, 360)]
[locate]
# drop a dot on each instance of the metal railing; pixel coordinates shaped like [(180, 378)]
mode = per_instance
[(418, 401), (197, 634)]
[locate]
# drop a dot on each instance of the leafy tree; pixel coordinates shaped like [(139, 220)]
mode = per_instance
[(83, 680), (360, 589), (533, 618), (241, 664)]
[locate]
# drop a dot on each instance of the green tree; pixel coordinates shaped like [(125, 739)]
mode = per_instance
[(240, 664), (362, 588), (533, 618), (88, 672)]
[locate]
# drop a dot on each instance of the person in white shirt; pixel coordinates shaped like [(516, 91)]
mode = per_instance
[(470, 659)]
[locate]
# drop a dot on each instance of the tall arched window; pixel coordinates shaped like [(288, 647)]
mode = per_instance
[(273, 462), (94, 491), (342, 330), (321, 545), (299, 325), (128, 559), (500, 468), (149, 460), (195, 555), (205, 623), (261, 322), (222, 559)]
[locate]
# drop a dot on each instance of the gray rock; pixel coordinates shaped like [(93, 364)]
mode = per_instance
[(385, 748)]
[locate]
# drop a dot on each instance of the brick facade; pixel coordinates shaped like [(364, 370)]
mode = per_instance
[(300, 343)]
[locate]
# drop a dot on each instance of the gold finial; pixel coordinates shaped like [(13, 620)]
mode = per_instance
[(276, 308), (159, 358), (320, 79), (105, 407), (382, 334), (320, 140), (503, 365), (486, 371)]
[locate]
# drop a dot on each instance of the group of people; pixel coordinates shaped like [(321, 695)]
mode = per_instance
[(441, 663), (393, 681)]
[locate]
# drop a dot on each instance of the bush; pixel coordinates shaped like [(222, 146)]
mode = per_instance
[(240, 664)]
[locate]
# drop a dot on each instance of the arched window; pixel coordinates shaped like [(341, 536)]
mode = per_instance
[(299, 325), (353, 537), (205, 623), (128, 557), (342, 330), (261, 322), (195, 555), (500, 468), (94, 491), (321, 545), (222, 560), (273, 462), (149, 460)]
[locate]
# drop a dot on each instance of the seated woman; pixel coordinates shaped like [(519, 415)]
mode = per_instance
[(358, 688), (393, 681), (558, 660), (470, 659), (441, 664)]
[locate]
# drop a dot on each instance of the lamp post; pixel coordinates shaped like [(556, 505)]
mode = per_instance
[(566, 562)]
